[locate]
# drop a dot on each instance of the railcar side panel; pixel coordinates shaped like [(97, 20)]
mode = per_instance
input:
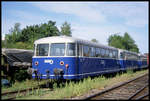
[(96, 66)]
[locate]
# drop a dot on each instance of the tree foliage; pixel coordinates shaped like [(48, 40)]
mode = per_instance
[(29, 34), (32, 33), (123, 42), (66, 29), (14, 34), (94, 40)]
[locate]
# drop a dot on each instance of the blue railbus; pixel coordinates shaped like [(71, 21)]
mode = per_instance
[(72, 58), (128, 60), (143, 61)]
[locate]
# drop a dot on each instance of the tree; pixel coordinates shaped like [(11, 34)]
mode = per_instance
[(94, 40), (31, 33), (34, 32), (14, 33), (128, 41), (123, 42), (66, 29), (116, 41), (50, 29)]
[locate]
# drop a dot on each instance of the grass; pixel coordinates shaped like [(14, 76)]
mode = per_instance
[(73, 89), (23, 85)]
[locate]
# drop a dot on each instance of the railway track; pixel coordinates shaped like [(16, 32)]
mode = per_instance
[(133, 89), (13, 94), (140, 94)]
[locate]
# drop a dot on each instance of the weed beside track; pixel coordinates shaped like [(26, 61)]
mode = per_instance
[(77, 90)]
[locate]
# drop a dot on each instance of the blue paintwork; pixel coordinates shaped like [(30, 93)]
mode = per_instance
[(78, 67), (125, 64), (144, 64), (83, 67), (122, 64), (139, 64), (42, 67), (94, 66)]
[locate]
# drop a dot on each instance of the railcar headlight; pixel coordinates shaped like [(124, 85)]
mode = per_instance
[(61, 63), (36, 63)]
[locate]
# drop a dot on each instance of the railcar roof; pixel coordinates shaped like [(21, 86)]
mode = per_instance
[(122, 50), (62, 39)]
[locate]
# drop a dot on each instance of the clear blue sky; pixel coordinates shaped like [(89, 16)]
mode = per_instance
[(88, 19)]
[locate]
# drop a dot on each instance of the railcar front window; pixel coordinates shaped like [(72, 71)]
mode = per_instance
[(42, 49), (70, 49), (57, 49)]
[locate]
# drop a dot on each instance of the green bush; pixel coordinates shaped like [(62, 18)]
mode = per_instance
[(129, 71), (21, 75), (19, 45), (22, 45)]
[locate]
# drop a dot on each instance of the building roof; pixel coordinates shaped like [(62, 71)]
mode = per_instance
[(17, 55)]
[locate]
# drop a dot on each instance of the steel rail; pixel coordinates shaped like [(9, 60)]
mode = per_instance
[(136, 93), (141, 97), (14, 97), (21, 91), (15, 92), (114, 87)]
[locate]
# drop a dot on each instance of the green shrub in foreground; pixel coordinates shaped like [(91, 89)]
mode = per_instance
[(130, 72)]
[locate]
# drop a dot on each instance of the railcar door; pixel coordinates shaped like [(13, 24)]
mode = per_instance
[(122, 61), (79, 60)]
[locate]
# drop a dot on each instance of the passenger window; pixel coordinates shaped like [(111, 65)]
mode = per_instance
[(86, 51), (114, 54), (121, 55), (97, 52), (107, 53), (102, 52), (92, 52), (110, 54), (129, 56), (70, 49)]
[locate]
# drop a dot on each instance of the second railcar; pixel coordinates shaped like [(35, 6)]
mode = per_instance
[(128, 60)]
